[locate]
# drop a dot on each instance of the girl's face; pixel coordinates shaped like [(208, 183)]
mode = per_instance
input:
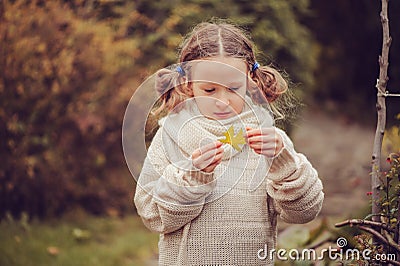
[(219, 86)]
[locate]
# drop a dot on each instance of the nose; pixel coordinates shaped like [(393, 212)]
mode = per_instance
[(222, 100), (222, 103)]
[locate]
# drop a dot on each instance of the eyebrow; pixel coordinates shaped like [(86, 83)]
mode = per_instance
[(233, 84), (236, 84)]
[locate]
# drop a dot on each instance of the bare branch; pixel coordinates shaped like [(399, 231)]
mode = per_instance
[(381, 110), (352, 222), (380, 237), (390, 240)]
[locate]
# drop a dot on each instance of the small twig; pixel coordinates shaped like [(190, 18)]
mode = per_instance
[(380, 237), (386, 93), (375, 233), (352, 222)]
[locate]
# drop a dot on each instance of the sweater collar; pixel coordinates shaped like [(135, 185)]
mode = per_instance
[(189, 129)]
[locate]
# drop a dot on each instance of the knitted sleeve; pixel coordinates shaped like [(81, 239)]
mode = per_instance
[(168, 196), (294, 185)]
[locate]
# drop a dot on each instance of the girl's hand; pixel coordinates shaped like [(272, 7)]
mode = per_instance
[(264, 141), (207, 157)]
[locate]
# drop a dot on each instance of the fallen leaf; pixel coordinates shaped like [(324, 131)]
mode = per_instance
[(54, 251), (80, 234)]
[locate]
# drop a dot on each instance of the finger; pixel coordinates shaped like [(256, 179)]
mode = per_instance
[(201, 164), (206, 148), (209, 155), (260, 131), (217, 158), (196, 154), (265, 141), (261, 139), (263, 146), (252, 131), (210, 146), (268, 150), (212, 153), (213, 165), (275, 139), (207, 158), (209, 168)]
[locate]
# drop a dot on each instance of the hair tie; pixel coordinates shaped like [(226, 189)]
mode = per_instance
[(256, 65), (180, 70)]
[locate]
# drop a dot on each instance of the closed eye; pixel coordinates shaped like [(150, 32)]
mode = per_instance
[(209, 90)]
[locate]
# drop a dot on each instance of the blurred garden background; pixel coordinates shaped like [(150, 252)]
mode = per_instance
[(69, 68)]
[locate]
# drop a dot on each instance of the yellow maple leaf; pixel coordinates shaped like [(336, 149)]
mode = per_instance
[(232, 139)]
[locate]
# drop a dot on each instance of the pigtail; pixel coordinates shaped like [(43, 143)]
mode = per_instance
[(171, 86), (270, 81), (274, 88)]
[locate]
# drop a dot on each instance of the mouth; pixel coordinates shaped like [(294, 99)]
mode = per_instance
[(222, 114)]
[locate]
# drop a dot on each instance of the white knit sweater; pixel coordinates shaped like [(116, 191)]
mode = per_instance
[(225, 217)]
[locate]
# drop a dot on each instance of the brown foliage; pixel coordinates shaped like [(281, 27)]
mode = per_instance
[(62, 99)]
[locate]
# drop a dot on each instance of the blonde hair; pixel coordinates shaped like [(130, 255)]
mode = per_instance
[(212, 39)]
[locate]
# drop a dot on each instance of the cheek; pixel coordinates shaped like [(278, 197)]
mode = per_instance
[(237, 104), (204, 102)]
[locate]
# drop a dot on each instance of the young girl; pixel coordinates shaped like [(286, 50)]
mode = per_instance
[(214, 196)]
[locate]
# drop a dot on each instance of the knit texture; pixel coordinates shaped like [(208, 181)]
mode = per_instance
[(224, 217)]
